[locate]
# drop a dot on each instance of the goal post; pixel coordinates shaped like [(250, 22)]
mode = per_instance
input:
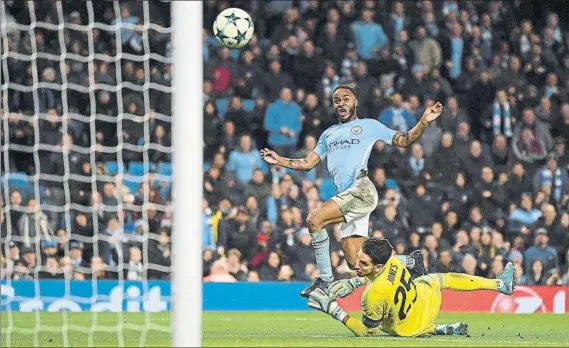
[(187, 165), (104, 210)]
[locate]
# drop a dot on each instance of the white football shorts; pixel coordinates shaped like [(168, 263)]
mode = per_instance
[(357, 203)]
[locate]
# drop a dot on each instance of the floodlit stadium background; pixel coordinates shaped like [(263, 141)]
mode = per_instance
[(86, 149)]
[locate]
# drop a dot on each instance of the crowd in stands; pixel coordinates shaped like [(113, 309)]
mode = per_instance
[(86, 173), (486, 184)]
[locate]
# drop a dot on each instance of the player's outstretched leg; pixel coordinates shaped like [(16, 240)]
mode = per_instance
[(507, 278), (457, 329), (329, 212), (464, 282)]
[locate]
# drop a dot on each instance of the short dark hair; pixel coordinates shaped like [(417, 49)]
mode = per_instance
[(348, 87), (378, 249)]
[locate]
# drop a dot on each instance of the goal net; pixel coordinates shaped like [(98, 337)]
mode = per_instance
[(86, 161)]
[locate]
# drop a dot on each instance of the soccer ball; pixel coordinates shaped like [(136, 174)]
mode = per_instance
[(233, 27)]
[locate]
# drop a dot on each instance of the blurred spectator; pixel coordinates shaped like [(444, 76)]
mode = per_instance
[(518, 182), (301, 252), (248, 76), (474, 162), (220, 69), (207, 261), (237, 233), (309, 67), (470, 265), (501, 154), (316, 117), (391, 227), (427, 51), (275, 80), (245, 160), (159, 256), (560, 237), (369, 36), (212, 131), (415, 164), (258, 187), (270, 271), (490, 195), (253, 277), (234, 265), (536, 273), (542, 252), (237, 115), (33, 226), (396, 117), (452, 116), (422, 209), (219, 273), (561, 125), (417, 83), (552, 176), (539, 130), (333, 44), (503, 115), (283, 122), (129, 36), (524, 215), (286, 274), (444, 264)]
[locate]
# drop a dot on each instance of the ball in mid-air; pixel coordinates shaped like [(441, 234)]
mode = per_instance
[(233, 27)]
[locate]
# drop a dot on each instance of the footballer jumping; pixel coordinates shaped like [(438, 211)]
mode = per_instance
[(398, 305), (347, 146)]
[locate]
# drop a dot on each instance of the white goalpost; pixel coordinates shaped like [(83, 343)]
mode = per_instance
[(188, 135), (47, 82)]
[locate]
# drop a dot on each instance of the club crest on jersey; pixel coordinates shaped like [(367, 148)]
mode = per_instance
[(356, 130)]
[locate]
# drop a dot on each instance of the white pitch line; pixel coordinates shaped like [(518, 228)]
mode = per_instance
[(272, 319), (451, 339)]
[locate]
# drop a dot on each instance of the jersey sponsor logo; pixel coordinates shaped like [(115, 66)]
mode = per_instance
[(356, 130), (342, 144)]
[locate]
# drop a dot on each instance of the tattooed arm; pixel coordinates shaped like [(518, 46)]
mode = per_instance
[(297, 164), (430, 114), (405, 140)]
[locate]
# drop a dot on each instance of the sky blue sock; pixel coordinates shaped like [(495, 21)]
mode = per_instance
[(321, 245)]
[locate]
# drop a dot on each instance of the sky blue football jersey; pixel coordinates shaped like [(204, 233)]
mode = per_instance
[(348, 146)]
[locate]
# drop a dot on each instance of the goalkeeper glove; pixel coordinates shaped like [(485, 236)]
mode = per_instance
[(344, 287), (319, 300)]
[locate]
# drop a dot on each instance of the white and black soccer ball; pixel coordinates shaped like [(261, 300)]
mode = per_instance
[(233, 27)]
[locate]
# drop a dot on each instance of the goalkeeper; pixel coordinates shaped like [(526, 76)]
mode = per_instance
[(395, 303)]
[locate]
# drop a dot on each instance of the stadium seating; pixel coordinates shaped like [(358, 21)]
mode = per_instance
[(113, 167), (18, 181), (132, 182), (139, 168), (222, 104), (164, 168)]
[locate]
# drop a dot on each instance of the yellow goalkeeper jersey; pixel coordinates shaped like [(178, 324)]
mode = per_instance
[(398, 305)]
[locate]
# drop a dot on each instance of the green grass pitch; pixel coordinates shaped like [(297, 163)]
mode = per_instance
[(270, 329)]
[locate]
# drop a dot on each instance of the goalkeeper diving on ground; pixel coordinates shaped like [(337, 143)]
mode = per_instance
[(393, 302), (347, 147)]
